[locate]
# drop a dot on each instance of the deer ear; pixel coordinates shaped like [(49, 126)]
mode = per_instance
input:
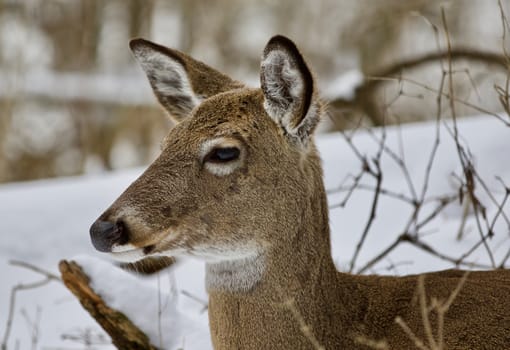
[(290, 98), (179, 82)]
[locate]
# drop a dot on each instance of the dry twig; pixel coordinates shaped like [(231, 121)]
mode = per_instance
[(305, 329), (48, 277)]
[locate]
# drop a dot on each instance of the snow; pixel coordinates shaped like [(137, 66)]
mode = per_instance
[(45, 221), (344, 86), (489, 143), (142, 303)]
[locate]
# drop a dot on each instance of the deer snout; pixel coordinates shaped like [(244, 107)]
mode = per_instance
[(106, 234)]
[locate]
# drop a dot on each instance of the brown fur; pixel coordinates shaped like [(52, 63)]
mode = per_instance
[(274, 203)]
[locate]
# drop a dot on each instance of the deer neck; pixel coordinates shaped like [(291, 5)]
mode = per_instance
[(301, 255), (239, 275), (286, 287), (251, 298), (291, 267)]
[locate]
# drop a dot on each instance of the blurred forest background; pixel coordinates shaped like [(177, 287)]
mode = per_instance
[(72, 99)]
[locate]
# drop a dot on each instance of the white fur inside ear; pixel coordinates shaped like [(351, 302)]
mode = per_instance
[(303, 131), (226, 168), (283, 87), (167, 76)]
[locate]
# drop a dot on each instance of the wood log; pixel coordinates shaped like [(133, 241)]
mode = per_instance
[(124, 334)]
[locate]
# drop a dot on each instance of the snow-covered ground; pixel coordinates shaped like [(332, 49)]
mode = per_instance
[(45, 221)]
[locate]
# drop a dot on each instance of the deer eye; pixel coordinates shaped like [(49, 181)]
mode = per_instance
[(223, 155)]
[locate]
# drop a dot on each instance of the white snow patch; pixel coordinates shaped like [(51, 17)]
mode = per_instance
[(344, 86), (153, 310)]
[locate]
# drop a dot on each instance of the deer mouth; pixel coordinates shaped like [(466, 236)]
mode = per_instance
[(130, 253), (163, 244)]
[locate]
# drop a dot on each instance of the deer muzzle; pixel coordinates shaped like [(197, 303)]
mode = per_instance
[(106, 234)]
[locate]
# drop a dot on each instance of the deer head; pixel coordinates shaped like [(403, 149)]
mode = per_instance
[(234, 173)]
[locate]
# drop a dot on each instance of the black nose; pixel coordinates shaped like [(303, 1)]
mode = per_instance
[(104, 234)]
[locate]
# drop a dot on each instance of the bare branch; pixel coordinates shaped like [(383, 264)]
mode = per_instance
[(364, 93), (20, 287), (202, 302), (417, 342), (383, 191), (12, 305), (34, 268), (371, 217)]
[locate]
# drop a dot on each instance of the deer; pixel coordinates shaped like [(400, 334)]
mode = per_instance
[(239, 184)]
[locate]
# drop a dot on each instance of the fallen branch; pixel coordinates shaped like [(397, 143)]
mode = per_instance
[(364, 95), (124, 334)]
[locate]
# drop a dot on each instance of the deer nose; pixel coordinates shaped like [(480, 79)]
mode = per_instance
[(104, 234)]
